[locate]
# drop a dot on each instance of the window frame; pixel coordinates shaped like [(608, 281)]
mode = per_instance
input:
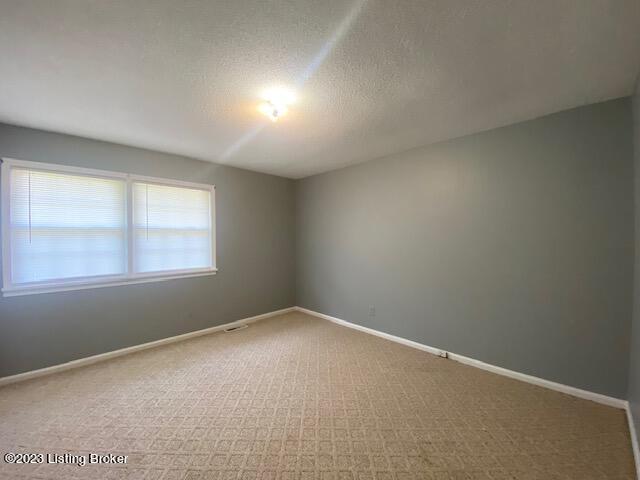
[(80, 283)]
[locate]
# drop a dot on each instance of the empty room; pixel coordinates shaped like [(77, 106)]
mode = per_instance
[(320, 240)]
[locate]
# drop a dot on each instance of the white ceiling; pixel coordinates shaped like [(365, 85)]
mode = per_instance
[(373, 77)]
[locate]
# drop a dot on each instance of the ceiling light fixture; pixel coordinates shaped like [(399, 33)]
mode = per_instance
[(276, 103), (272, 110)]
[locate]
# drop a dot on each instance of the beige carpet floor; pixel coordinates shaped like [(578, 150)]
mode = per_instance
[(295, 397)]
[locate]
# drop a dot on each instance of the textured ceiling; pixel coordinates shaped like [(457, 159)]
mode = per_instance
[(373, 77)]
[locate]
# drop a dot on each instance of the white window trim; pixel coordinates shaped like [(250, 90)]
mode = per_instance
[(81, 283)]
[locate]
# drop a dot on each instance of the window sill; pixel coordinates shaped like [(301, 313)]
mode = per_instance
[(83, 285)]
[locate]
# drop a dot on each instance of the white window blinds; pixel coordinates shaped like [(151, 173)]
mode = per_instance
[(65, 226), (172, 228)]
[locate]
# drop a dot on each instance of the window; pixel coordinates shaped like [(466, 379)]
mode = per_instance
[(66, 228), (172, 228)]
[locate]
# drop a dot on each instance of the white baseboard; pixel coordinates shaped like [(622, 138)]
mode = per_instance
[(634, 440), (82, 362), (541, 382)]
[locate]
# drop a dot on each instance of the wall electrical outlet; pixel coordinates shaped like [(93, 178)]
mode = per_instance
[(372, 311)]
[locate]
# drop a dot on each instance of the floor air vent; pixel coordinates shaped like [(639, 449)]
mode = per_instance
[(235, 329)]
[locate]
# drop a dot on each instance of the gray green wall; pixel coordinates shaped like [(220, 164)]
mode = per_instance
[(255, 244), (634, 368), (513, 246)]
